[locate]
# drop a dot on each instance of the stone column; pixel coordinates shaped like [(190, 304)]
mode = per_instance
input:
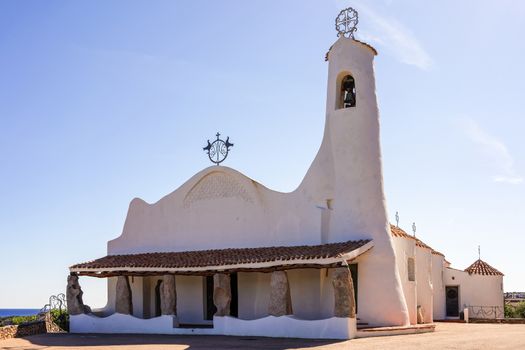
[(420, 317), (75, 305), (222, 294), (344, 305), (280, 299), (168, 295), (123, 303)]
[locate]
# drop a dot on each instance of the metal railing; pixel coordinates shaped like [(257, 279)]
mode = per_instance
[(56, 302), (490, 312)]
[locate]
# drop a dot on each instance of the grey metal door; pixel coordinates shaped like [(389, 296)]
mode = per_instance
[(452, 301)]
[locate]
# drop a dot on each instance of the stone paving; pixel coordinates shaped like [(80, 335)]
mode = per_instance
[(447, 336)]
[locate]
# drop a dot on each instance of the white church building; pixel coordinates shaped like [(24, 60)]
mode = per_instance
[(223, 254)]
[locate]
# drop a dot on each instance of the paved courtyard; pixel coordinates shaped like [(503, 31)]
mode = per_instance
[(447, 336)]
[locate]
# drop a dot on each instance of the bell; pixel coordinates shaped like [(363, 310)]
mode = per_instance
[(349, 100)]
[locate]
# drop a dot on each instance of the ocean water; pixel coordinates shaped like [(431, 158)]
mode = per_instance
[(18, 312)]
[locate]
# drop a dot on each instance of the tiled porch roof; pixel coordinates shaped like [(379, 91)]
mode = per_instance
[(237, 259)]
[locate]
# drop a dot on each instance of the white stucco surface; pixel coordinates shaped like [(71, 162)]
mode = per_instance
[(424, 285), (254, 295), (288, 327), (270, 326), (406, 248), (438, 288)]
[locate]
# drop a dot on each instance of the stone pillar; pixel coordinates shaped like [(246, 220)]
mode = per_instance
[(75, 305), (222, 294), (344, 300), (168, 295), (420, 317), (280, 299), (123, 303)]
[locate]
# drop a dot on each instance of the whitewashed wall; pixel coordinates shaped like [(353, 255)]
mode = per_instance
[(406, 248), (270, 326), (438, 297), (254, 294), (424, 282)]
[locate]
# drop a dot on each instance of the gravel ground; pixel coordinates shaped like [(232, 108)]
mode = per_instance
[(446, 336)]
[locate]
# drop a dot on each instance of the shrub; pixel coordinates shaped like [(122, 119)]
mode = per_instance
[(520, 310), (509, 311), (61, 318), (16, 320), (515, 311)]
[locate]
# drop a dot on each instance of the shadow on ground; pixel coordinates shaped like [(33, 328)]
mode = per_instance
[(197, 342)]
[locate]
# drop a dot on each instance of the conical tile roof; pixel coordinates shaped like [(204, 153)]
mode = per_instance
[(479, 267)]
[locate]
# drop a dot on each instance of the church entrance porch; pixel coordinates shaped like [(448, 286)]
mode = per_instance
[(311, 296)]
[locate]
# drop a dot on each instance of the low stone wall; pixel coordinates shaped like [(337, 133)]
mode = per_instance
[(30, 328), (23, 330), (7, 332)]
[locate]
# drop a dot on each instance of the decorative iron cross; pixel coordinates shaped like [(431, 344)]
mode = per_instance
[(346, 22), (414, 228), (218, 150), (397, 218)]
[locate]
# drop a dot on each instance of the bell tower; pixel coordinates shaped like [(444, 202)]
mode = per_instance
[(349, 167)]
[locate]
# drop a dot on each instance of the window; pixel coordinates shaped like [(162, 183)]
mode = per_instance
[(347, 94), (411, 266)]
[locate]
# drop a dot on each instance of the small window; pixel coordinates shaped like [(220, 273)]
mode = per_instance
[(411, 266), (347, 93)]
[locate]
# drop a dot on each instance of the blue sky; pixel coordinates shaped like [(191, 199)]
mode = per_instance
[(104, 101)]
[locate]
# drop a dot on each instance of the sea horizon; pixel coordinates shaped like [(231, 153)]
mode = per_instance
[(18, 312)]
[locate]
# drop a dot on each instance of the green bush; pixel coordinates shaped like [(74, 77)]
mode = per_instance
[(61, 318), (16, 320), (515, 311), (520, 310), (509, 311)]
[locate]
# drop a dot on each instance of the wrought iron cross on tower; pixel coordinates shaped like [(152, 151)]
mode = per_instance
[(346, 22)]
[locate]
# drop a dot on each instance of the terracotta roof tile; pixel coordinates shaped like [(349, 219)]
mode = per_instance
[(479, 267), (422, 244), (220, 257), (435, 252), (398, 232)]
